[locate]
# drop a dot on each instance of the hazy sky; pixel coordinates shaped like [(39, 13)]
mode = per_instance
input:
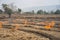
[(31, 3)]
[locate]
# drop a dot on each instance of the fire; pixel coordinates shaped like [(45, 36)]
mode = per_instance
[(1, 24), (50, 25)]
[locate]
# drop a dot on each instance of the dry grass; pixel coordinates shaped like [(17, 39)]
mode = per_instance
[(7, 34), (14, 34)]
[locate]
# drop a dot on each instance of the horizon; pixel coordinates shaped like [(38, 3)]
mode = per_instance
[(23, 4)]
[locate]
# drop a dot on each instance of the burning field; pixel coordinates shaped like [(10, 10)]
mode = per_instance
[(30, 27)]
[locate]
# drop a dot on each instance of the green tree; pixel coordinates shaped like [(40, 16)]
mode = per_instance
[(40, 12), (7, 9), (57, 12), (1, 11), (33, 12), (45, 12), (19, 10), (52, 12)]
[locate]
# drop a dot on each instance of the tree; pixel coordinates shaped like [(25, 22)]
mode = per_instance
[(45, 12), (57, 12), (33, 12), (1, 11), (52, 12), (7, 9), (40, 12), (19, 10)]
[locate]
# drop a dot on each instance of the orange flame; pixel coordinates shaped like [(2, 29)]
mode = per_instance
[(1, 24), (47, 26), (50, 25)]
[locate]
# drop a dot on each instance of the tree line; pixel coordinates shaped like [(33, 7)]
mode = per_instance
[(52, 12), (9, 11)]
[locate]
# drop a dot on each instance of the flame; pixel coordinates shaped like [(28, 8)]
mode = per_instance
[(1, 24), (47, 27), (50, 25)]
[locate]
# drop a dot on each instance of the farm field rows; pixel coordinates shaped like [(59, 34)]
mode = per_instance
[(30, 27)]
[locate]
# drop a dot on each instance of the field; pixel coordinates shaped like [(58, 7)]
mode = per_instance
[(29, 27)]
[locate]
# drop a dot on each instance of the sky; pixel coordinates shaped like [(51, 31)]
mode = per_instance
[(30, 3)]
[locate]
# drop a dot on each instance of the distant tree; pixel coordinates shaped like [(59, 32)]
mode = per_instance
[(19, 10), (7, 9), (57, 12), (40, 12), (52, 12), (45, 12), (1, 11), (33, 12)]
